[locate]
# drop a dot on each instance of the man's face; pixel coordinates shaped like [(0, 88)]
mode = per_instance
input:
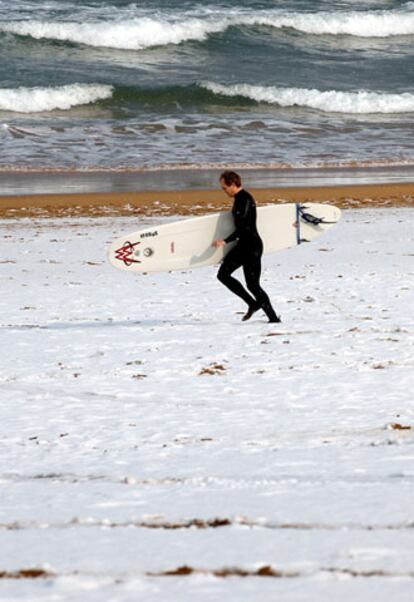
[(229, 189)]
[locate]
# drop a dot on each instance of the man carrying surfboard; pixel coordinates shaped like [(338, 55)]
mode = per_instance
[(247, 252)]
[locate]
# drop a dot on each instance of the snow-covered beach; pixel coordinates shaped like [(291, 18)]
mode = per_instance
[(147, 431)]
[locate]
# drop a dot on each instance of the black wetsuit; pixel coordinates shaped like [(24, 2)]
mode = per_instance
[(247, 253)]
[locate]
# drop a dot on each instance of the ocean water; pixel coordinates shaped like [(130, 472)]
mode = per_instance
[(111, 84)]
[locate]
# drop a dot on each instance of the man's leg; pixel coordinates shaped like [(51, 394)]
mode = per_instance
[(252, 271), (231, 262)]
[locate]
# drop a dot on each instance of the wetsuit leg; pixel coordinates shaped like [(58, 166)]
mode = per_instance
[(252, 268), (233, 260)]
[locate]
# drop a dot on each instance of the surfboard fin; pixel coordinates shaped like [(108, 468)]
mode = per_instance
[(312, 219)]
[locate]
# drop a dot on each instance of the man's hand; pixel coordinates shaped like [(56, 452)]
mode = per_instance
[(218, 243)]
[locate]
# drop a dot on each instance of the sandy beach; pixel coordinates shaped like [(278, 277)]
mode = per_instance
[(194, 201), (154, 447), (200, 449)]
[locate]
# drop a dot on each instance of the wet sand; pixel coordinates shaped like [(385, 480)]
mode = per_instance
[(193, 201), (26, 181)]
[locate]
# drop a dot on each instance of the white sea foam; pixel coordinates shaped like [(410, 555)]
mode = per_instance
[(134, 34), (34, 100), (378, 24), (140, 32), (331, 101)]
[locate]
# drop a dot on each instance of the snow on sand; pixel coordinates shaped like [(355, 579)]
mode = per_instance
[(145, 430)]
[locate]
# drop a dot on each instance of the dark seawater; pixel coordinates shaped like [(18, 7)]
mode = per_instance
[(111, 84)]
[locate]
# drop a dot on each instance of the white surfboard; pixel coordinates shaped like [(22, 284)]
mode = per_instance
[(186, 244)]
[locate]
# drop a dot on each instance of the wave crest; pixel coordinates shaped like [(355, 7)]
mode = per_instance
[(331, 101), (375, 24), (135, 34), (140, 32), (37, 100)]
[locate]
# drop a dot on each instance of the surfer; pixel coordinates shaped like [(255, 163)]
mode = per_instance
[(248, 251)]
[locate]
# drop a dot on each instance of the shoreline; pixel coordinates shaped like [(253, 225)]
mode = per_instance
[(193, 201), (33, 182)]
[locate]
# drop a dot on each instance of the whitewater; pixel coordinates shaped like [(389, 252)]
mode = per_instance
[(117, 85), (33, 100), (155, 446), (330, 101), (38, 100), (178, 27)]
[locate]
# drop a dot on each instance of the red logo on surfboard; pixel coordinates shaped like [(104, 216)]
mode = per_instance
[(125, 252)]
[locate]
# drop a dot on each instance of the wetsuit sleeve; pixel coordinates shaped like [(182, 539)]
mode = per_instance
[(242, 218), (233, 236)]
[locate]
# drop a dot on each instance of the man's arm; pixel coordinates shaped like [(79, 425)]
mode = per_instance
[(241, 214)]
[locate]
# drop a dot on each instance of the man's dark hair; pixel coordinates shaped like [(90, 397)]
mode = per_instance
[(231, 177)]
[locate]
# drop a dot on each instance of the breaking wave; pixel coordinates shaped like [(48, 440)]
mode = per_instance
[(140, 32), (365, 24), (135, 34), (331, 101), (44, 99), (36, 100)]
